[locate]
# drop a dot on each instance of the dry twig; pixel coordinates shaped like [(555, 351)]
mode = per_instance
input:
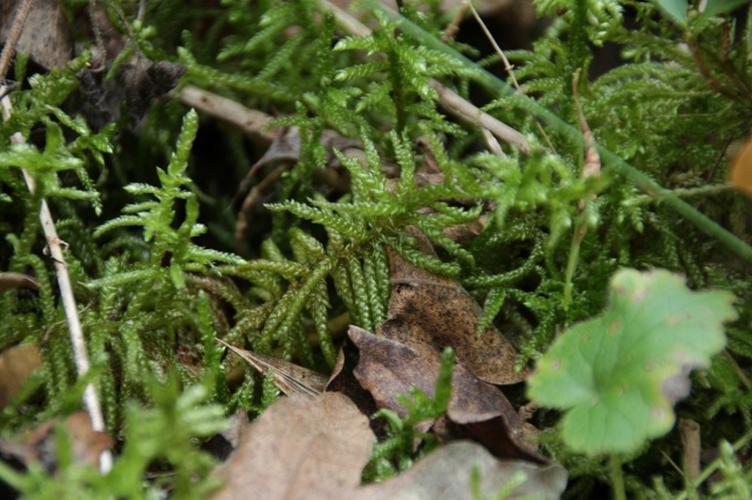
[(449, 100), (691, 447), (250, 121), (508, 67), (81, 358), (454, 26), (13, 36), (250, 201)]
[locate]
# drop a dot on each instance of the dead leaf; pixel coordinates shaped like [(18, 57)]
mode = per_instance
[(290, 378), (388, 368), (87, 443), (9, 281), (740, 175), (16, 365), (430, 310), (46, 35), (343, 380), (40, 444), (447, 473), (300, 448)]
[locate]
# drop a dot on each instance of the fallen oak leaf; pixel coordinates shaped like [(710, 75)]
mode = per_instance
[(478, 410), (300, 448), (426, 309), (290, 378), (448, 473)]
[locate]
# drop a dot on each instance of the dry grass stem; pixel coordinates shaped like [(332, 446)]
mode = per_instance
[(80, 356)]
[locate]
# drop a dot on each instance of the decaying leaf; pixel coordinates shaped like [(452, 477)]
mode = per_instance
[(16, 365), (388, 368), (138, 83), (9, 281), (46, 35), (290, 378), (343, 380), (448, 473), (40, 444), (430, 311), (740, 175), (618, 375), (300, 448)]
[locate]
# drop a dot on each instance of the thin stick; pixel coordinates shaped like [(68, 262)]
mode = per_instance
[(715, 465), (591, 167), (246, 210), (691, 448), (250, 121), (454, 26), (465, 110), (448, 99), (80, 356), (12, 39), (509, 68)]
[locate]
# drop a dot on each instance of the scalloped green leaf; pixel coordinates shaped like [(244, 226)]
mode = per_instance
[(618, 375)]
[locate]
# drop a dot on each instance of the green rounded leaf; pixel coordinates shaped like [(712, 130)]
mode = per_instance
[(618, 375)]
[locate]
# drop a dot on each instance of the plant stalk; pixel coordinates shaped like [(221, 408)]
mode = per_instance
[(617, 478)]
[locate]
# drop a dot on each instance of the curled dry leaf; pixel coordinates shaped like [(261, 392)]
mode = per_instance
[(46, 36), (448, 472), (300, 448), (388, 368), (16, 365), (290, 378), (9, 281), (427, 311)]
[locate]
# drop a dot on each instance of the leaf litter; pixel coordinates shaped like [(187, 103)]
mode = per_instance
[(315, 444)]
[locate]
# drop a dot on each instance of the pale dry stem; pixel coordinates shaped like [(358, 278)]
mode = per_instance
[(252, 122), (81, 358)]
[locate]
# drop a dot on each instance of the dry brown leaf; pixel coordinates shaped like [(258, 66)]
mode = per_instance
[(388, 369), (46, 35), (740, 175), (447, 472), (290, 378), (16, 365), (427, 310), (39, 445), (300, 448), (9, 281), (343, 380)]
